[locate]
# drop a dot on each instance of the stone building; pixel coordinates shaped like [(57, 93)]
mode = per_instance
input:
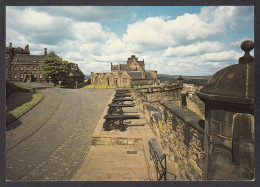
[(229, 125), (21, 65), (131, 74)]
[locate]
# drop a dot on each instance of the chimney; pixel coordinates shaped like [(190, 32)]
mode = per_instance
[(10, 46), (143, 74), (26, 48), (45, 51)]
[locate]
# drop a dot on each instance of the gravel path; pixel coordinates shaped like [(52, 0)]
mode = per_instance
[(55, 135)]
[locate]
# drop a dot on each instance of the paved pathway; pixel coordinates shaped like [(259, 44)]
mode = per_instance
[(55, 136), (119, 156)]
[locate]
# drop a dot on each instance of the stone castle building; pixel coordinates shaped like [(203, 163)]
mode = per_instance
[(21, 65), (131, 74)]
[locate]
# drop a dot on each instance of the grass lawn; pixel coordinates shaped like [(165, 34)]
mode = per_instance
[(200, 104), (100, 87), (16, 112)]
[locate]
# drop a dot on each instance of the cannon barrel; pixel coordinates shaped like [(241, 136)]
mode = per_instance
[(121, 117), (122, 99), (120, 105)]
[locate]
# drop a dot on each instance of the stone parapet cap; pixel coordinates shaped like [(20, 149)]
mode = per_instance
[(186, 115)]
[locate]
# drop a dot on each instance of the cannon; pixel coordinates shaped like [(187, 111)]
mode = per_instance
[(117, 108), (122, 91), (122, 99), (117, 121), (123, 95)]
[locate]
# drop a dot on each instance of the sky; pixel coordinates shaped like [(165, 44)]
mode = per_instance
[(174, 40)]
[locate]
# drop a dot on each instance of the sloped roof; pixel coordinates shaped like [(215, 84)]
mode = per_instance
[(138, 75), (114, 67), (125, 67), (141, 63), (27, 58)]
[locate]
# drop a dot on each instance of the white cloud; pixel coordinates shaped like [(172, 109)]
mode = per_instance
[(194, 49), (185, 45), (221, 56)]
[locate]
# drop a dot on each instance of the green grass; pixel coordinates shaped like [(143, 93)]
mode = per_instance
[(100, 87), (17, 112), (200, 104)]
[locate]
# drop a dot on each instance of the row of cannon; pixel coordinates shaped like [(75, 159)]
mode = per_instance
[(116, 117)]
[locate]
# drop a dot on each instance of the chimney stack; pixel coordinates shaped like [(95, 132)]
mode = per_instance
[(10, 46), (26, 48), (143, 74), (45, 51)]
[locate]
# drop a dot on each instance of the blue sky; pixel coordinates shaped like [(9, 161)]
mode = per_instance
[(186, 40)]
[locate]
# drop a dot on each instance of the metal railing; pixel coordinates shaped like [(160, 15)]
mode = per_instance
[(160, 164)]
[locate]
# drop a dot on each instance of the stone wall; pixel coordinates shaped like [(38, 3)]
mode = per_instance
[(180, 133), (158, 93)]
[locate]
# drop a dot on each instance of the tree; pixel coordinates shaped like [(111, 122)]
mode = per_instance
[(54, 67)]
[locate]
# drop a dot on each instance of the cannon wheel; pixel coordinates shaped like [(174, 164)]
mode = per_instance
[(121, 125), (106, 125)]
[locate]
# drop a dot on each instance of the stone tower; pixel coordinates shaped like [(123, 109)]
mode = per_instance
[(229, 125)]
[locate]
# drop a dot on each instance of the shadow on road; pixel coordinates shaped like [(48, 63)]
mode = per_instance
[(12, 124)]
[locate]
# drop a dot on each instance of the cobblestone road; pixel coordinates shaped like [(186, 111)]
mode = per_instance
[(56, 135)]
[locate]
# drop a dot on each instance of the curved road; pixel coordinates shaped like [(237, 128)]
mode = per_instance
[(55, 135)]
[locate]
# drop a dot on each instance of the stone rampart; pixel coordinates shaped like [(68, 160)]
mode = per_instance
[(181, 135)]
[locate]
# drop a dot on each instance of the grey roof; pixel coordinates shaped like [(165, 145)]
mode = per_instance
[(27, 58), (122, 67), (138, 75), (114, 67), (125, 67), (141, 63)]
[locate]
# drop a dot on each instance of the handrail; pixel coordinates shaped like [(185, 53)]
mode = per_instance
[(159, 163)]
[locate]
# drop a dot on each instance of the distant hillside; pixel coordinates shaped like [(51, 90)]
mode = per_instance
[(87, 76), (197, 80)]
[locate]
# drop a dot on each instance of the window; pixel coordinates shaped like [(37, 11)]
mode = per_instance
[(34, 75), (40, 76), (15, 68), (21, 68), (34, 68), (15, 76), (21, 76), (28, 68)]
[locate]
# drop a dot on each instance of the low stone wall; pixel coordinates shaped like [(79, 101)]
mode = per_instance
[(181, 135), (158, 93)]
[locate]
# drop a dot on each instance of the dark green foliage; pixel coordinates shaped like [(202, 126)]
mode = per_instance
[(54, 67)]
